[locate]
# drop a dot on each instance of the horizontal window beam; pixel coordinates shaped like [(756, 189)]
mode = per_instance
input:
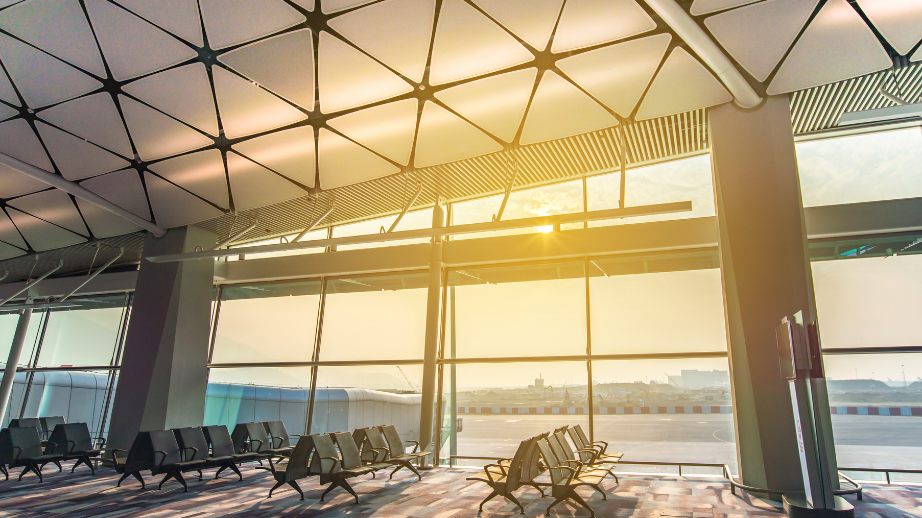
[(874, 350)]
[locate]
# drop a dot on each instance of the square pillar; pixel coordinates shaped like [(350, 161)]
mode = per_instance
[(164, 371), (766, 273)]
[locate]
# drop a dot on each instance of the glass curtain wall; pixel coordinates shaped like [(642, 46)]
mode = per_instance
[(71, 359), (632, 349)]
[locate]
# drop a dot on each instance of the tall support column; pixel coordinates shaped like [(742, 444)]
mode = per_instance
[(9, 374), (766, 275), (164, 370), (433, 320)]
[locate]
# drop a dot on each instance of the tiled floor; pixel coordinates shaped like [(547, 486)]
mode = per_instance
[(441, 494)]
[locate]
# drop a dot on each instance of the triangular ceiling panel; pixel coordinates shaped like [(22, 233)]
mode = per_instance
[(334, 6), (53, 206), (349, 78), (759, 46), (387, 129), (179, 17), (41, 78), (917, 56), (127, 40), (156, 135), (6, 90), (306, 4), (174, 207), (200, 173), (590, 22), (700, 7), (900, 21), (289, 152), (397, 32), (18, 140), (42, 235), (252, 185), (247, 109), (76, 158), (6, 112), (94, 118), (560, 109), (496, 104), (619, 74), (8, 251), (343, 162), (232, 22), (122, 188), (57, 26), (9, 234), (184, 93), (444, 137), (469, 44), (283, 64), (682, 84), (817, 57), (531, 20)]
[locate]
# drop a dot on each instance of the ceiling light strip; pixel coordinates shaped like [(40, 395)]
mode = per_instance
[(577, 217)]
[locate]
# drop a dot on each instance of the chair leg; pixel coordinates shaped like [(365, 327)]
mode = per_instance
[(333, 485), (297, 488), (4, 471), (487, 499), (178, 476), (599, 489), (409, 467), (138, 476), (578, 499), (515, 501), (345, 485), (235, 470), (555, 502), (168, 476), (276, 486), (398, 468), (218, 474), (200, 475), (58, 464), (536, 486), (124, 476)]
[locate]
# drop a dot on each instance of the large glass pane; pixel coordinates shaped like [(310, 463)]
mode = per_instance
[(859, 168), (499, 405), (85, 335), (267, 323), (869, 302), (248, 395), (548, 200), (8, 325), (688, 179), (362, 396), (664, 303), (665, 410), (415, 220), (529, 310), (375, 317), (877, 409)]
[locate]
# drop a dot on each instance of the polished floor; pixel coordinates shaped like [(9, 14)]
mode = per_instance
[(442, 493)]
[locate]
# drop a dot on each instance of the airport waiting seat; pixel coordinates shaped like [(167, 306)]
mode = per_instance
[(256, 440), (564, 479), (27, 422), (169, 460), (396, 445), (600, 457), (374, 445), (278, 435), (22, 447), (343, 465), (566, 455), (48, 424), (508, 475), (299, 465), (578, 430), (72, 441), (138, 458), (191, 441), (222, 444)]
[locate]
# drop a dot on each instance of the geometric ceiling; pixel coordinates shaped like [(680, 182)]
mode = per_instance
[(182, 111)]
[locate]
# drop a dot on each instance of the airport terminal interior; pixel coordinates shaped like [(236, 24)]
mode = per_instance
[(457, 258)]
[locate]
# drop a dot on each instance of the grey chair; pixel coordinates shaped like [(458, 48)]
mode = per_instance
[(22, 447), (191, 441), (299, 465), (278, 435), (171, 462), (396, 446), (343, 465), (564, 479), (376, 449), (598, 450), (48, 424), (566, 455), (221, 443), (27, 422), (73, 441), (506, 476)]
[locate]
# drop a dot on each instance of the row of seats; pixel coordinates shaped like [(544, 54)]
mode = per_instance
[(44, 425), (587, 465), (22, 446), (337, 457)]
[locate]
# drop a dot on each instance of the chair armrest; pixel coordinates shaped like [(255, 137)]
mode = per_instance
[(415, 445), (572, 471), (16, 458), (53, 444), (334, 459), (194, 451), (272, 442), (383, 456), (258, 447), (115, 457), (161, 460)]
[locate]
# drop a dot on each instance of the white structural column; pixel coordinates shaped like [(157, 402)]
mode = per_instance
[(766, 276), (433, 321), (6, 386)]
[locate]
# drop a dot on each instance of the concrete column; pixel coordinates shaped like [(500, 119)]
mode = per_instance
[(164, 364), (9, 374), (433, 320), (766, 275)]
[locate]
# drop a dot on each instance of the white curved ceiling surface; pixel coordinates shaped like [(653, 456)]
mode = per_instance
[(181, 111)]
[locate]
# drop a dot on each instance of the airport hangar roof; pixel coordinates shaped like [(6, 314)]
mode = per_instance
[(219, 112)]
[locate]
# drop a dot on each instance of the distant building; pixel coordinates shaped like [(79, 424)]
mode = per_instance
[(539, 384), (701, 379)]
